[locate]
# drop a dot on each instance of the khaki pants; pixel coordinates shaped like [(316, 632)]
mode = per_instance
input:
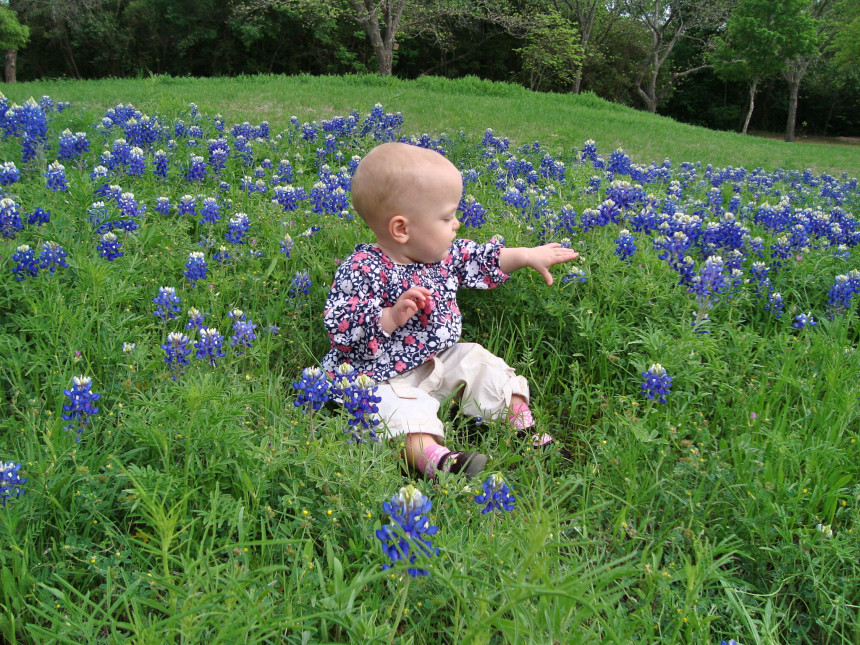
[(483, 383)]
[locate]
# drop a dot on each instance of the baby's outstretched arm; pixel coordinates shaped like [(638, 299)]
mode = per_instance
[(539, 258), (408, 304)]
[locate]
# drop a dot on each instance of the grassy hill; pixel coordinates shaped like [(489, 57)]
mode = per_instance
[(434, 105)]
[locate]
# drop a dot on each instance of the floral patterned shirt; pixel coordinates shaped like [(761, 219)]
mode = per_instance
[(368, 280)]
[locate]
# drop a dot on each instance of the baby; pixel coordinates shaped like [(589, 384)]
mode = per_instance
[(392, 310)]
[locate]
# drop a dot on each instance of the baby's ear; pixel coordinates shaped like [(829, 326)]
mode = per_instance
[(398, 229)]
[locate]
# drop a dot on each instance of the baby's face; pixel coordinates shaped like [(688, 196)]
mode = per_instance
[(432, 217)]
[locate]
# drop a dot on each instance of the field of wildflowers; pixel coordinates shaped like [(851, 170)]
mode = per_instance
[(170, 471)]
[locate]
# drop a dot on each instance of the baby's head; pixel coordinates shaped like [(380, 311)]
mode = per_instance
[(397, 183)]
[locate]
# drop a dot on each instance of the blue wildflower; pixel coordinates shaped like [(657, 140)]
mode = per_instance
[(136, 162), (775, 304), (160, 164), (197, 169), (176, 351), (10, 481), (313, 388), (243, 335), (27, 265), (301, 285), (239, 225), (657, 382), (802, 320), (168, 303), (222, 256), (109, 247), (210, 211), (162, 205), (358, 396), (195, 319), (625, 245), (472, 212), (38, 217), (406, 538), (80, 407), (287, 245), (195, 268), (9, 173), (845, 286), (209, 345), (187, 205), (10, 218), (575, 274), (497, 495), (52, 256)]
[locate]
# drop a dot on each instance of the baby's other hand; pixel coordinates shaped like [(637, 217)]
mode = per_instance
[(409, 303)]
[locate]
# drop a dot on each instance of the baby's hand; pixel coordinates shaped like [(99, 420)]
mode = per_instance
[(408, 304), (543, 257)]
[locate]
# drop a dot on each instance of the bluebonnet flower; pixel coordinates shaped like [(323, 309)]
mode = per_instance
[(99, 172), (187, 205), (313, 388), (168, 303), (210, 211), (497, 495), (472, 212), (407, 537), (136, 162), (52, 256), (109, 247), (239, 225), (67, 145), (288, 197), (287, 245), (575, 274), (128, 348), (38, 217), (209, 345), (162, 205), (236, 314), (625, 245), (222, 255), (195, 319), (10, 481), (128, 205), (731, 641), (657, 382), (711, 281), (358, 395), (80, 407), (845, 286), (197, 169), (243, 335), (176, 352), (9, 173), (195, 268), (301, 285), (775, 304), (802, 320), (97, 214), (10, 218), (160, 164), (27, 265)]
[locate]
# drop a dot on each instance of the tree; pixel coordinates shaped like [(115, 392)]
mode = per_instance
[(385, 20), (797, 65), (760, 37), (13, 36), (552, 54), (668, 21), (588, 14)]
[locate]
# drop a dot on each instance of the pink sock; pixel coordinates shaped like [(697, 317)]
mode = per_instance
[(521, 418), (429, 459)]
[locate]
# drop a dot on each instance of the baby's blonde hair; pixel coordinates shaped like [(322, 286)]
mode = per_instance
[(386, 180)]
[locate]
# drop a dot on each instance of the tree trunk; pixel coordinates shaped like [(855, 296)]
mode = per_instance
[(753, 87), (11, 61), (794, 90)]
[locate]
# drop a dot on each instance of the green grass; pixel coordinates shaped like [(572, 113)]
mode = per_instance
[(211, 508), (435, 105)]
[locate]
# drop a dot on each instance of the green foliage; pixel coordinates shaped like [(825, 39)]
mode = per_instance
[(13, 35), (552, 55)]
